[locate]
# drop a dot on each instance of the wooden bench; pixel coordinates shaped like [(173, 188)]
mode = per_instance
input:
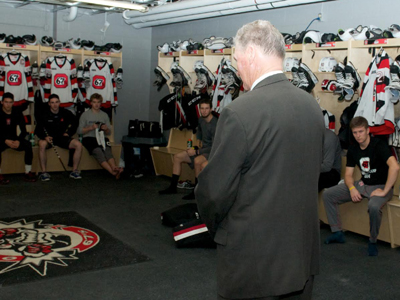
[(355, 217), (163, 156), (13, 161)]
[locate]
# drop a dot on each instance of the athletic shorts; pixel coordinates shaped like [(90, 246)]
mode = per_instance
[(102, 155), (61, 141)]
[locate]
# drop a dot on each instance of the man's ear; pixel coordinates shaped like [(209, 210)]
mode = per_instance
[(251, 54)]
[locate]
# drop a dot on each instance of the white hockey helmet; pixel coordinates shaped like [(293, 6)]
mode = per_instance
[(395, 30), (289, 63), (327, 64), (312, 36)]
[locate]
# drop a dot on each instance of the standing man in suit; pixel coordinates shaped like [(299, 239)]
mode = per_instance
[(258, 193)]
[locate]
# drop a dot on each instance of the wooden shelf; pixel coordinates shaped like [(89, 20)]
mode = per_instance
[(193, 53), (226, 51)]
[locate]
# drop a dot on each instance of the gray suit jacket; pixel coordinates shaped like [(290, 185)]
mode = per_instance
[(258, 193)]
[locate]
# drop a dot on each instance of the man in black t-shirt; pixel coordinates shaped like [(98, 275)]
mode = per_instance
[(57, 125), (379, 171), (9, 120)]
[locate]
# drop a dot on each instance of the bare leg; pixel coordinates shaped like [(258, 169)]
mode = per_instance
[(179, 158), (75, 144), (107, 166), (198, 162), (42, 154)]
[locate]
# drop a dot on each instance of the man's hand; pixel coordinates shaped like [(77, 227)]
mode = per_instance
[(191, 152), (355, 195), (12, 144), (49, 139), (104, 127), (378, 193)]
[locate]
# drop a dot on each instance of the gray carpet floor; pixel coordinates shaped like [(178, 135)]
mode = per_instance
[(130, 210)]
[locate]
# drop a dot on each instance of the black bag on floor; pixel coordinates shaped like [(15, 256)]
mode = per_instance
[(193, 234), (180, 214), (145, 129)]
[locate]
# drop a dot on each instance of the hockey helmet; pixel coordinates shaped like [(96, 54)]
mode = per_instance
[(312, 36), (289, 63), (47, 41), (329, 37), (327, 64), (87, 45), (345, 35), (164, 48), (359, 33), (2, 37), (395, 30), (116, 47), (75, 44), (29, 39)]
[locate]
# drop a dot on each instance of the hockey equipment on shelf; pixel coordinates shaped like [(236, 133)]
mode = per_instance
[(298, 37), (345, 35), (327, 64), (116, 47), (118, 79), (164, 48), (288, 38), (339, 73), (374, 33), (29, 39), (47, 41), (161, 78), (329, 37), (312, 36), (359, 33), (87, 45), (2, 37), (205, 77), (215, 43), (58, 45), (194, 46), (10, 39), (174, 46), (230, 79), (307, 78), (74, 44), (183, 45), (289, 63), (394, 29)]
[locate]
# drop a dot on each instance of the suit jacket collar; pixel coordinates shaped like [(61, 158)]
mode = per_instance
[(271, 80)]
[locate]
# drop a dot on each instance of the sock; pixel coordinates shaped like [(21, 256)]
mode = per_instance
[(372, 249), (174, 180), (71, 157), (336, 237), (28, 168)]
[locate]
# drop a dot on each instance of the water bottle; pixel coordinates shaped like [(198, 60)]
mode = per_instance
[(80, 138), (189, 143), (32, 139)]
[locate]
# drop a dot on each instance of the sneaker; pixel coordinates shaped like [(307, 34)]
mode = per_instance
[(138, 174), (75, 175), (185, 185), (30, 177), (44, 176), (3, 180), (336, 237)]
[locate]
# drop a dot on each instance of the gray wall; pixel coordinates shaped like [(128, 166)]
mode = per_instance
[(335, 15)]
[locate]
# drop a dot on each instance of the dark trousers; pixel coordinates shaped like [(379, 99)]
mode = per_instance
[(328, 179), (304, 294), (24, 145)]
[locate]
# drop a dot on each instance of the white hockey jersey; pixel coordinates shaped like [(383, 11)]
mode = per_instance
[(60, 73), (15, 77), (102, 82), (375, 103)]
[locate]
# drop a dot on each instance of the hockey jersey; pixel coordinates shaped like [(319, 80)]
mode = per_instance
[(329, 120), (60, 79), (15, 77), (102, 81), (190, 104), (375, 102), (171, 112)]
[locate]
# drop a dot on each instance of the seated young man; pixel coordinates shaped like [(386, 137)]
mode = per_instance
[(57, 125), (195, 158), (93, 124), (379, 171), (332, 162), (9, 120)]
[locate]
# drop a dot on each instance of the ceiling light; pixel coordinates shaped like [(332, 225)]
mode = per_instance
[(118, 4)]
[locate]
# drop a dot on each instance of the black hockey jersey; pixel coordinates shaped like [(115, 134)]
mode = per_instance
[(171, 112), (56, 124), (190, 104)]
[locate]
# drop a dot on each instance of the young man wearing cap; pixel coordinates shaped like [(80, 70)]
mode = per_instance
[(9, 120)]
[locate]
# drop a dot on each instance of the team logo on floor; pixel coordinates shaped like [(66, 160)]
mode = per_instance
[(35, 245)]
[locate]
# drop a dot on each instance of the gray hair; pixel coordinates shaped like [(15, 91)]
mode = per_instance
[(263, 34)]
